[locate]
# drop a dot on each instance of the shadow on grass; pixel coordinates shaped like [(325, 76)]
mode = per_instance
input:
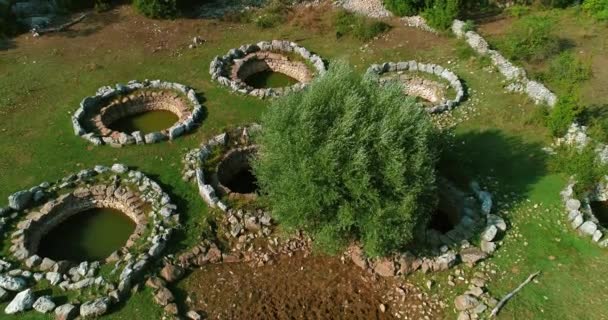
[(7, 44), (516, 164)]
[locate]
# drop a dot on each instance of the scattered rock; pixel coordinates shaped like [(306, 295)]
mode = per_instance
[(171, 272), (385, 267), (489, 233), (12, 283), (66, 312), (465, 302), (20, 200), (23, 301), (472, 255), (44, 304), (163, 296)]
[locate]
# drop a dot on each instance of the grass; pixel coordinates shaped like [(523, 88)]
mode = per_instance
[(44, 79)]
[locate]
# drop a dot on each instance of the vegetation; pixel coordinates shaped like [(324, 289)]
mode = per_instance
[(273, 14), (404, 7), (531, 38), (597, 8), (158, 9), (361, 27), (583, 164), (561, 116), (348, 159), (566, 72)]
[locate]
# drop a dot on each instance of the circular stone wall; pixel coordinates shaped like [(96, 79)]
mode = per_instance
[(239, 64), (430, 90), (34, 212), (95, 118), (235, 166), (581, 214)]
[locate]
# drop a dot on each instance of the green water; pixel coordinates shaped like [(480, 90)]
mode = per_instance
[(270, 79), (150, 121), (88, 235)]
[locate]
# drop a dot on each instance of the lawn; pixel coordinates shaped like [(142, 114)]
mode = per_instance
[(44, 79)]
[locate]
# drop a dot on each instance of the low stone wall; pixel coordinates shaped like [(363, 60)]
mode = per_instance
[(439, 71), (231, 69), (580, 214), (96, 113), (35, 211)]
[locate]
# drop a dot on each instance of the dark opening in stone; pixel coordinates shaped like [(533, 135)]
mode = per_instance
[(600, 211), (235, 173), (87, 236), (146, 122), (447, 215), (270, 79)]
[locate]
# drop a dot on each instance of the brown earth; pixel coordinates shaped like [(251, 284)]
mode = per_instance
[(301, 287)]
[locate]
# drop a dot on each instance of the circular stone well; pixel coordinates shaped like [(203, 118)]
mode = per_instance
[(234, 172), (267, 69), (432, 91), (587, 212), (137, 113), (147, 216)]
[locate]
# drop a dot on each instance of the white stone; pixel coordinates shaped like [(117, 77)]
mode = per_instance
[(44, 304), (23, 301)]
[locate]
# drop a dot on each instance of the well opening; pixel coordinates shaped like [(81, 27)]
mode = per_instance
[(146, 122), (269, 79), (600, 211), (447, 215), (89, 235), (264, 69), (235, 174)]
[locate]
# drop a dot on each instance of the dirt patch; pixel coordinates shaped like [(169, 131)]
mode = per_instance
[(300, 287)]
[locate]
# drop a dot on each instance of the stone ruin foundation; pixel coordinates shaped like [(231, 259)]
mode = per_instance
[(430, 90), (93, 120), (233, 68), (581, 214), (34, 212)]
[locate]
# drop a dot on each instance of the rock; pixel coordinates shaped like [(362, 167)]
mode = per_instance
[(214, 255), (46, 264), (44, 304), (163, 296), (578, 220), (472, 255), (463, 315), (385, 267), (588, 228), (597, 235), (475, 291), (497, 221), (53, 277), (155, 282), (95, 308), (171, 309), (488, 246), (171, 272), (382, 307), (119, 168), (33, 261), (356, 254), (407, 263), (23, 301), (489, 233), (480, 308), (12, 283), (444, 261), (20, 200), (573, 204), (154, 137), (465, 302), (193, 315), (66, 312)]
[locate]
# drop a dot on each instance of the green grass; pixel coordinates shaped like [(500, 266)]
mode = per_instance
[(43, 82)]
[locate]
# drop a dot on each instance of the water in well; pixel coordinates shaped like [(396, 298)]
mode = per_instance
[(146, 122), (243, 181), (270, 79), (600, 211), (87, 236)]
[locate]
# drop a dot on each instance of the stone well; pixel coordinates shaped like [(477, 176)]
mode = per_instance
[(93, 120), (415, 85), (279, 56), (580, 213), (33, 212), (234, 163)]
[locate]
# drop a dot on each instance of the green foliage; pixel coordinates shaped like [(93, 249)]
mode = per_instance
[(563, 114), (361, 27), (531, 38), (440, 13), (469, 25), (404, 7), (558, 3), (566, 72), (583, 164), (157, 9), (518, 10), (348, 159), (597, 8), (273, 14)]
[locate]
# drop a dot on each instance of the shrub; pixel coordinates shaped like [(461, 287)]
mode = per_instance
[(349, 159), (440, 13), (563, 114), (404, 7), (597, 8), (518, 10), (157, 9), (362, 28), (273, 14), (531, 38), (559, 3), (566, 72), (583, 164)]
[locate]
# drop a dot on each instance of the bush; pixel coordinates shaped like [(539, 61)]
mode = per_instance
[(559, 3), (273, 14), (566, 72), (157, 9), (563, 114), (440, 13), (518, 10), (583, 164), (531, 38), (362, 28), (348, 159), (404, 7), (597, 8)]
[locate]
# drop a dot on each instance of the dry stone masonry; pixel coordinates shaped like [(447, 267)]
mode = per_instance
[(96, 113), (427, 89), (34, 212), (233, 68), (580, 214)]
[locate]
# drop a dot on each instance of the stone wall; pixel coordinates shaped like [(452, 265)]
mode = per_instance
[(262, 61), (97, 112), (33, 212), (439, 71), (579, 212), (222, 68)]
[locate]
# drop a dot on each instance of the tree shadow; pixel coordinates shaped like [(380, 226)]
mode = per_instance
[(93, 23), (217, 9), (7, 44), (515, 164)]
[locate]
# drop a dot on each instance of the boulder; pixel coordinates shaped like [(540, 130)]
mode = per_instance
[(497, 221), (66, 312), (12, 283), (23, 301), (444, 261), (407, 263), (44, 304), (53, 277), (465, 302), (385, 267), (489, 233), (171, 272), (573, 204), (20, 200), (193, 315), (356, 254), (155, 282), (472, 255), (588, 228), (94, 308), (577, 221), (33, 261), (163, 296), (46, 264), (119, 168), (171, 309), (488, 246)]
